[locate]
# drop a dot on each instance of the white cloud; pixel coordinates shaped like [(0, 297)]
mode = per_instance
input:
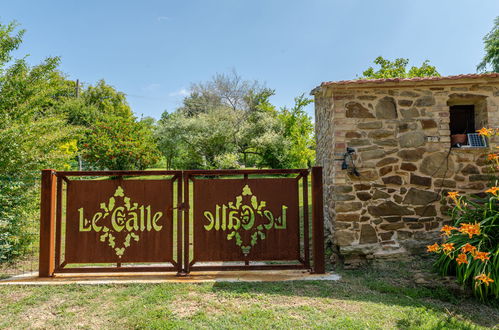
[(180, 92), (162, 18)]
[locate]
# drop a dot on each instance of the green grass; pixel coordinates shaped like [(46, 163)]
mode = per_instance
[(377, 297)]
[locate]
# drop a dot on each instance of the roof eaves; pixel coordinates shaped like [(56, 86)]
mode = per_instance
[(404, 82)]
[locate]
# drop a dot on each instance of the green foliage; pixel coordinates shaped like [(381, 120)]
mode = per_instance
[(32, 136), (226, 161), (107, 100), (491, 46), (197, 141), (170, 138), (398, 69), (118, 143), (298, 128), (78, 113), (9, 41), (259, 139), (485, 213), (16, 198), (199, 102), (100, 109), (229, 122)]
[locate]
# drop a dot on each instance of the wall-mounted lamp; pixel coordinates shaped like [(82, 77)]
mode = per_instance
[(348, 163)]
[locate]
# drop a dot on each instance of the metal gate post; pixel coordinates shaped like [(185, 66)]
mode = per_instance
[(318, 220), (47, 224), (180, 224), (186, 206)]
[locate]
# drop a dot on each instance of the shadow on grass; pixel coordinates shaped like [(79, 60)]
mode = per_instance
[(390, 285)]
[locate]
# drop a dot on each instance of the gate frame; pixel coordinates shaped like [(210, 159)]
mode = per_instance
[(191, 174), (51, 220), (51, 223)]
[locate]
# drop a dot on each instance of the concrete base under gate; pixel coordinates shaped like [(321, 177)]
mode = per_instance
[(194, 277)]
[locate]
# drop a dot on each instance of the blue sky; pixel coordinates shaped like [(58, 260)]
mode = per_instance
[(153, 50)]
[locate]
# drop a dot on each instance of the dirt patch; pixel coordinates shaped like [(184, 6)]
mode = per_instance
[(189, 305), (42, 314), (185, 309), (217, 304), (13, 296), (72, 310)]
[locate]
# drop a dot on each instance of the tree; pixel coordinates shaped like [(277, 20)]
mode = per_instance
[(78, 112), (237, 126), (197, 141), (398, 69), (32, 136), (299, 129), (228, 90), (223, 90), (169, 135), (118, 143), (198, 102), (208, 131), (258, 128), (491, 45), (110, 137), (107, 100), (44, 125), (31, 131), (95, 104)]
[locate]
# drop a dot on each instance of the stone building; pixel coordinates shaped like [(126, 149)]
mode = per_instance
[(384, 198)]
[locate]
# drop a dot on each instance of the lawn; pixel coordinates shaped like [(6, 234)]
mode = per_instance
[(375, 297), (382, 296)]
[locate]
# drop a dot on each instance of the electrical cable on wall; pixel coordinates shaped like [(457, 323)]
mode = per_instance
[(349, 165)]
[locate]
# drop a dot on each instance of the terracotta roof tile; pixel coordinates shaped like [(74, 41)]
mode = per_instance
[(417, 79)]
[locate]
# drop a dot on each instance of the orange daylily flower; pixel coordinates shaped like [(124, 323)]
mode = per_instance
[(485, 131), (484, 278), (468, 248), (492, 156), (462, 259), (448, 229), (433, 248), (448, 247), (470, 229), (453, 195), (493, 190), (482, 256)]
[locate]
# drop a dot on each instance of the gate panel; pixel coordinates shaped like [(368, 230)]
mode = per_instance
[(119, 221), (171, 224), (246, 219)]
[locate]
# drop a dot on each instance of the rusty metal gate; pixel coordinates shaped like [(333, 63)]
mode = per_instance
[(181, 221)]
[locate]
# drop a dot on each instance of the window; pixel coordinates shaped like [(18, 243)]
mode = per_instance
[(467, 115), (462, 119)]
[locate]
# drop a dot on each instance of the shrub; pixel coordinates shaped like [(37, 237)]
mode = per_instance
[(26, 147), (226, 161), (18, 201), (471, 245), (118, 143)]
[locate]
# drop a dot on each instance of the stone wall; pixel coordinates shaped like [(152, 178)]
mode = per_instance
[(403, 154)]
